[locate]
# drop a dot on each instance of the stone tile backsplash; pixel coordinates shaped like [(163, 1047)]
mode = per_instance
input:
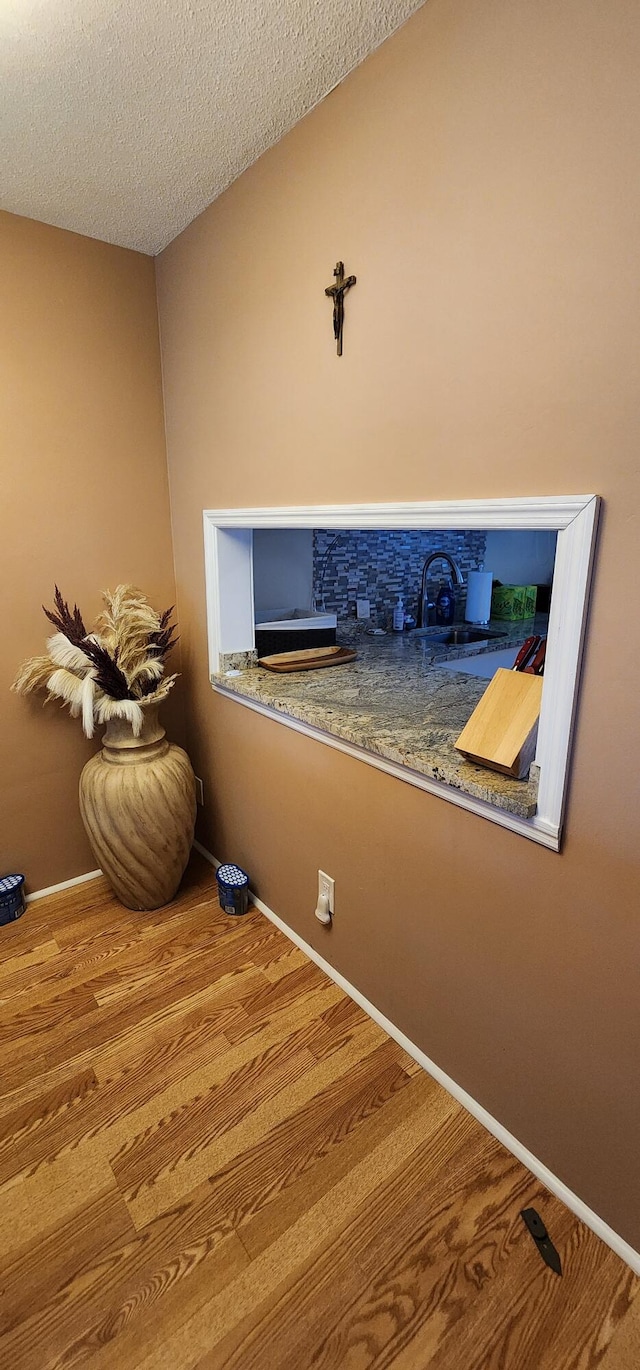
[(379, 565)]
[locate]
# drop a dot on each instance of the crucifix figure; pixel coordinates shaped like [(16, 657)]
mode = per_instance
[(338, 292)]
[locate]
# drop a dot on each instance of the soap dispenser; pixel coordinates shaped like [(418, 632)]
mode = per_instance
[(445, 605), (398, 616)]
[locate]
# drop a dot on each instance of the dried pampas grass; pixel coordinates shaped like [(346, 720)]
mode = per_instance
[(164, 688), (126, 624), (146, 674), (116, 671), (33, 675)]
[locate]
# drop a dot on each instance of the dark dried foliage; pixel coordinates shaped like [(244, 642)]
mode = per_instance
[(161, 642), (146, 687), (109, 677), (67, 622)]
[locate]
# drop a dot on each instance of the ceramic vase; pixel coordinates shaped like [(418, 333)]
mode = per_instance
[(138, 805)]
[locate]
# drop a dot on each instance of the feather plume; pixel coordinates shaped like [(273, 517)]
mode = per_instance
[(88, 704), (121, 708), (33, 675), (67, 654), (65, 685)]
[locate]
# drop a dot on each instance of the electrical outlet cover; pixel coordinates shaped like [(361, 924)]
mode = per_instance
[(327, 885)]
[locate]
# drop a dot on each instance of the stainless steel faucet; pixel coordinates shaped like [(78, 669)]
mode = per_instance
[(425, 604)]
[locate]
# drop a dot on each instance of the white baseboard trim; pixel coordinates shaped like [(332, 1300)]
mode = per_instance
[(206, 853), (64, 885), (558, 1187)]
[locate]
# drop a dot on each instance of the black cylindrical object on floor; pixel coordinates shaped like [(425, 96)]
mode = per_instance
[(12, 900)]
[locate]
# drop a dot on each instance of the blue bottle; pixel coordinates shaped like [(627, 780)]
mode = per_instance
[(445, 605)]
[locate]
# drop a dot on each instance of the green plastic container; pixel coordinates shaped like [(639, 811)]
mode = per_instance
[(513, 602)]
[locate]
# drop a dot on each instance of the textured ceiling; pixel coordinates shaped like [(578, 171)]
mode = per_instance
[(122, 119)]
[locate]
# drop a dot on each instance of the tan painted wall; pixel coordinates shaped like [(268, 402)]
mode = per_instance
[(84, 500), (479, 174)]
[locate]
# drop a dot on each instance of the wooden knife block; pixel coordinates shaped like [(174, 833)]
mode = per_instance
[(503, 727)]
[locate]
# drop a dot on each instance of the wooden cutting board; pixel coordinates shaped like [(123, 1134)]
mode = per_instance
[(309, 659), (503, 727)]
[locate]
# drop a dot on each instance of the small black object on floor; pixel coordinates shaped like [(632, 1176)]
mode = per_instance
[(542, 1239)]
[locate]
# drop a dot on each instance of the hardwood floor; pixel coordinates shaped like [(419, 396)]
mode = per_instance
[(210, 1157)]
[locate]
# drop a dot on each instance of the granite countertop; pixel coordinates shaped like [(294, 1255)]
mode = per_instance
[(393, 701)]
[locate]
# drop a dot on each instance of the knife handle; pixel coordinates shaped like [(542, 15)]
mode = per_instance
[(525, 653), (536, 664)]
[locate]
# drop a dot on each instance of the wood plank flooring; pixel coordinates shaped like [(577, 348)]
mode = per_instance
[(210, 1157)]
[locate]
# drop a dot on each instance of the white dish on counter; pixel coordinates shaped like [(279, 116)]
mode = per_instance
[(293, 620)]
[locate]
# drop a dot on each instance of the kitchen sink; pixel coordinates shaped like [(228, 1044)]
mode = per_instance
[(458, 637)]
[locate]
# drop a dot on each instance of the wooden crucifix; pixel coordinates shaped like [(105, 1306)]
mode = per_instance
[(338, 292)]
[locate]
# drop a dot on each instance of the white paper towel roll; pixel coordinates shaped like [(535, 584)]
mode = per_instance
[(479, 588)]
